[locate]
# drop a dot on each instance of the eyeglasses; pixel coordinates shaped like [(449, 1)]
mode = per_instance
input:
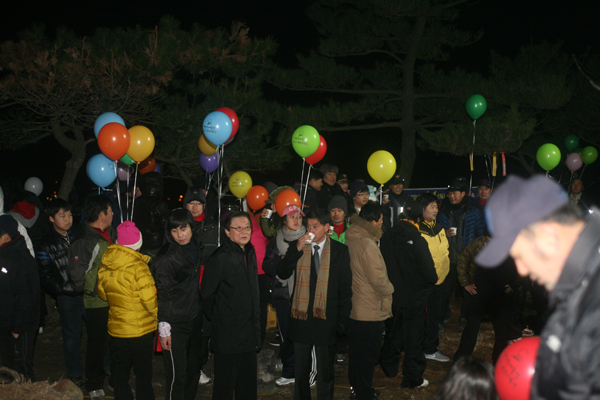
[(241, 229)]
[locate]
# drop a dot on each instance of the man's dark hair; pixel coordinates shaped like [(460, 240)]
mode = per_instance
[(11, 235), (412, 211), (319, 214), (426, 199), (94, 205), (179, 218), (237, 214), (371, 211), (468, 378), (315, 174), (56, 205)]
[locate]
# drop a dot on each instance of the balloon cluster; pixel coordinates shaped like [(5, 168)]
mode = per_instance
[(548, 155), (117, 143)]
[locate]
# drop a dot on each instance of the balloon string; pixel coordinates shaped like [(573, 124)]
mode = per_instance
[(119, 194), (302, 177), (127, 191), (580, 175), (134, 190), (380, 190), (219, 183), (306, 188)]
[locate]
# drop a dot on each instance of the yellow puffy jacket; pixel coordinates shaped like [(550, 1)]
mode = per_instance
[(435, 235), (124, 280)]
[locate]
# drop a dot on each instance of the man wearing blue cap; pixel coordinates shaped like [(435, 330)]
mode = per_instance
[(552, 243)]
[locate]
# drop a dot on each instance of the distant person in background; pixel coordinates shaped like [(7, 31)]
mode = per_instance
[(394, 201), (330, 187), (151, 212), (344, 183), (578, 196), (359, 193), (484, 190), (338, 208), (315, 183)]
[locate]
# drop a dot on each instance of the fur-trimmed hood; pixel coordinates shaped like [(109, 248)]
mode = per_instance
[(360, 228)]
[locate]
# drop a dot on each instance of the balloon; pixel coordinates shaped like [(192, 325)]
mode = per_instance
[(257, 197), (147, 165), (157, 169), (235, 122), (476, 106), (101, 170), (240, 183), (285, 198), (306, 140), (206, 147), (573, 162), (114, 140), (123, 171), (589, 154), (571, 141), (548, 156), (515, 368), (106, 118), (217, 127), (381, 166), (34, 185), (142, 143), (319, 154), (210, 163), (127, 160)]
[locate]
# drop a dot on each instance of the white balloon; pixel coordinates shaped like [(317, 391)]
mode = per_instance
[(34, 185)]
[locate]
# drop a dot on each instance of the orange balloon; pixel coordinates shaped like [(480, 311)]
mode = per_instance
[(148, 165), (206, 147), (142, 143), (285, 198), (114, 140), (257, 197)]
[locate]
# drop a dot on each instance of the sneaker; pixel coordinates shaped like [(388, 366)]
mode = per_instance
[(441, 328), (285, 381), (278, 366), (437, 356), (97, 395), (204, 379), (528, 332), (340, 359), (276, 341), (78, 381), (424, 384)]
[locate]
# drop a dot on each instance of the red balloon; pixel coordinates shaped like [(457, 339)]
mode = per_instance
[(148, 165), (515, 368), (319, 154), (235, 122), (257, 197), (285, 198), (114, 140)]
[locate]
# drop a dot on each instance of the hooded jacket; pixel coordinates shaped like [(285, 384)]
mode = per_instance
[(125, 282), (371, 288), (22, 229), (30, 213), (435, 235)]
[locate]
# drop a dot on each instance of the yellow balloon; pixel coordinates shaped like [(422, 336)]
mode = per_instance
[(142, 143), (206, 147), (381, 166), (239, 184)]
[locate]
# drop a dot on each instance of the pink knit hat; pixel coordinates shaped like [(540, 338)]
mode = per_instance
[(129, 236)]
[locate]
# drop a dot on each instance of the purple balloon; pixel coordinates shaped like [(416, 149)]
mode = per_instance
[(157, 169), (123, 171), (574, 162), (209, 163)]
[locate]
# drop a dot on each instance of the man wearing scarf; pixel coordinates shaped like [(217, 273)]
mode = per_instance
[(321, 303)]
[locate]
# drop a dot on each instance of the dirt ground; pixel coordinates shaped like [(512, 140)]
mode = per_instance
[(49, 365)]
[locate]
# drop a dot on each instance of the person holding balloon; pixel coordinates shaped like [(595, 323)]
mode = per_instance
[(330, 187), (555, 245)]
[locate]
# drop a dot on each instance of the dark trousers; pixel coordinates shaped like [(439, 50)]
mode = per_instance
[(405, 331), (17, 353), (365, 345), (286, 350), (182, 363), (235, 373), (434, 317), (325, 356), (264, 291), (136, 352), (450, 284), (96, 321), (72, 314)]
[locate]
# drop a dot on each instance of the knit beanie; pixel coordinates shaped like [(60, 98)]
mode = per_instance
[(8, 225), (129, 235), (357, 187), (338, 202), (194, 194)]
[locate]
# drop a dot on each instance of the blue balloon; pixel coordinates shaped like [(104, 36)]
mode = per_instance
[(106, 118), (217, 127), (101, 170)]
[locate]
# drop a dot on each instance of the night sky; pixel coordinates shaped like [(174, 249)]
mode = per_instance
[(507, 24)]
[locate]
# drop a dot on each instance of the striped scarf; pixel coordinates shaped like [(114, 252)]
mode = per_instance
[(302, 289)]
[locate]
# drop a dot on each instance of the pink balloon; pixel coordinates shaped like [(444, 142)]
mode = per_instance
[(574, 162), (123, 171)]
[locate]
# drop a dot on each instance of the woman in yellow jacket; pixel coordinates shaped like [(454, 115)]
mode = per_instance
[(435, 236), (124, 280)]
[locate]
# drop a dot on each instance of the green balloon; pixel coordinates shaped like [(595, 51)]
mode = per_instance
[(476, 106), (589, 154), (571, 142), (548, 156), (305, 140), (127, 160)]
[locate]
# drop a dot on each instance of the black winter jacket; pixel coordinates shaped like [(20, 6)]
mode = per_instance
[(409, 263), (231, 300), (177, 281), (151, 213), (53, 258), (208, 232), (19, 288), (568, 361)]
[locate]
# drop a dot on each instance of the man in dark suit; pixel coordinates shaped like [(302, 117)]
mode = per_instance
[(320, 307)]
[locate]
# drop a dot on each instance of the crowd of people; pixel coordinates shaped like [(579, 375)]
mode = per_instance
[(349, 275)]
